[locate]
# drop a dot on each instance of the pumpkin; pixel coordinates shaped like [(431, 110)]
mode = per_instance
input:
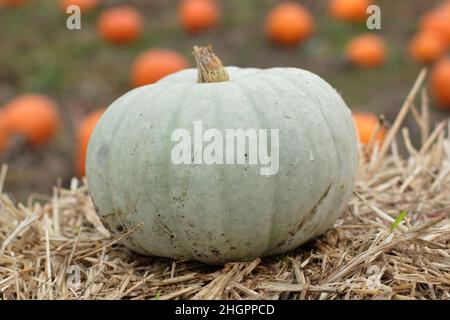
[(12, 3), (198, 15), (83, 135), (440, 82), (288, 24), (154, 64), (353, 11), (445, 9), (438, 22), (120, 25), (4, 134), (366, 51), (366, 124), (212, 211), (427, 47), (84, 5), (33, 116)]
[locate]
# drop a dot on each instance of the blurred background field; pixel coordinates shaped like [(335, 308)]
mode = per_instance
[(81, 72)]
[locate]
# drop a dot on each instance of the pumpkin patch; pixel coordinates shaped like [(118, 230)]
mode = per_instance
[(222, 98)]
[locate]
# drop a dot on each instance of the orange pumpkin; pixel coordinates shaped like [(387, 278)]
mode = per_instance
[(83, 135), (12, 3), (440, 82), (33, 116), (289, 23), (155, 64), (366, 124), (427, 47), (353, 11), (4, 134), (438, 22), (366, 51), (84, 5), (198, 15), (120, 25), (445, 9)]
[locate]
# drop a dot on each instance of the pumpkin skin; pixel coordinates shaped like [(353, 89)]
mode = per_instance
[(84, 5), (33, 116), (366, 124), (221, 213), (120, 25), (353, 11), (83, 135), (152, 65), (440, 82), (289, 24), (366, 51), (198, 15), (427, 47)]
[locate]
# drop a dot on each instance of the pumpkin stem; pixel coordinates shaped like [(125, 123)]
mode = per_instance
[(210, 68)]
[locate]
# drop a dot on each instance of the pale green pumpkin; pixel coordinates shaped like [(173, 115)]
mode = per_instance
[(219, 213)]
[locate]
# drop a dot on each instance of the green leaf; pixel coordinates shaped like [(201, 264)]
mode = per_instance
[(399, 219)]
